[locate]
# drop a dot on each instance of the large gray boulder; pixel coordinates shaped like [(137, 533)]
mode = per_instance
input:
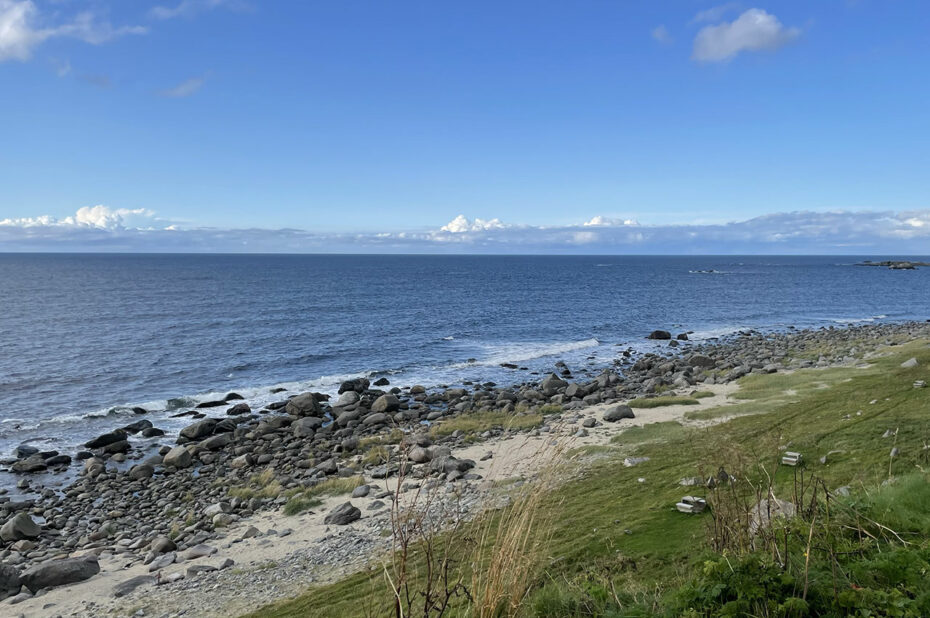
[(19, 527), (359, 385), (214, 443), (304, 404), (105, 439), (60, 572), (659, 334), (179, 457), (551, 384), (377, 418), (343, 514), (200, 429), (305, 427), (909, 363), (618, 413), (346, 399), (385, 404)]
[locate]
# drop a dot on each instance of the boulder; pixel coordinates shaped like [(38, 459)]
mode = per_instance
[(343, 514), (60, 572), (359, 385), (179, 457), (20, 526), (551, 384), (138, 426), (700, 360), (909, 363), (152, 432), (618, 413), (33, 463), (124, 588), (348, 398), (239, 408), (200, 429), (9, 581), (214, 443), (376, 418), (386, 404), (105, 439), (304, 404), (24, 450), (659, 334), (141, 471)]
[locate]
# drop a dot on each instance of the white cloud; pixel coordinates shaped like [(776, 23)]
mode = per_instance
[(715, 13), (661, 34), (20, 32), (185, 88), (600, 221), (460, 225), (754, 30), (100, 217), (189, 8), (101, 228)]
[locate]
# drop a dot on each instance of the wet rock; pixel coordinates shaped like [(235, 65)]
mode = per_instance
[(359, 385), (138, 426), (200, 429), (141, 471), (659, 334), (33, 463), (239, 408), (105, 439), (304, 404)]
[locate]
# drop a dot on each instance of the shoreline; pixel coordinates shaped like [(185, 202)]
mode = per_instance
[(303, 453)]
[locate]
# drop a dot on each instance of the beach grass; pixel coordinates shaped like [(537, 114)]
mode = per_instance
[(615, 543), (658, 402), (478, 422)]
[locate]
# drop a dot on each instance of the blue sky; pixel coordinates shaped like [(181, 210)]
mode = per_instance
[(667, 126)]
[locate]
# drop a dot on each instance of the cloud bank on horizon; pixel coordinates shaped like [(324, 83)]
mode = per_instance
[(100, 228)]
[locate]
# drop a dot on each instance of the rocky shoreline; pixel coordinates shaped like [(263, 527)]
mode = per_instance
[(174, 505)]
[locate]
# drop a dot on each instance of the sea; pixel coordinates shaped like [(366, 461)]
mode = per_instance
[(86, 337)]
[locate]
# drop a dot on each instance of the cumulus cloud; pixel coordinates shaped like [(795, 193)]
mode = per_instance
[(99, 217), (184, 89), (601, 221), (754, 30), (461, 224), (190, 8), (22, 29), (661, 34), (101, 228), (715, 13)]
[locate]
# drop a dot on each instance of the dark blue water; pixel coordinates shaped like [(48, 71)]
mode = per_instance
[(82, 335)]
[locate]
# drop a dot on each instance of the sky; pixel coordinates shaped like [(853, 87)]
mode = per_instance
[(539, 126)]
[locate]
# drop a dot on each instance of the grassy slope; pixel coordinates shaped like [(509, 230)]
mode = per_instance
[(608, 526)]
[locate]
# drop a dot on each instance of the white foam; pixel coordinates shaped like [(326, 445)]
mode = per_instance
[(516, 352)]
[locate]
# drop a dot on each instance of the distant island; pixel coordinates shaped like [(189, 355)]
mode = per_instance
[(895, 264)]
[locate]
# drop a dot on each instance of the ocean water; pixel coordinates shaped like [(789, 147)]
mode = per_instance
[(83, 337)]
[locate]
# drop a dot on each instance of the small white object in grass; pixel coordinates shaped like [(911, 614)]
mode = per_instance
[(641, 480)]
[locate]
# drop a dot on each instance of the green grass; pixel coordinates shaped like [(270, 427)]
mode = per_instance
[(702, 394), (477, 422), (262, 485), (300, 500), (657, 402), (617, 546), (299, 504)]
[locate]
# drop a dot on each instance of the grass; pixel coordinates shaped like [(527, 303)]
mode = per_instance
[(300, 500), (261, 485), (392, 437), (477, 422), (615, 546), (656, 402), (702, 394)]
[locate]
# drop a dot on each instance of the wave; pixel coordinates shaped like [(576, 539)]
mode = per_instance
[(710, 271), (517, 352), (872, 318)]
